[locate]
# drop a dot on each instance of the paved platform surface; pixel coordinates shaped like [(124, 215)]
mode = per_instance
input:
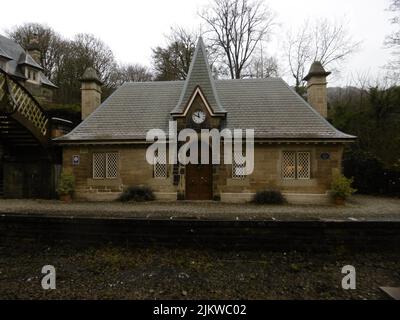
[(358, 208)]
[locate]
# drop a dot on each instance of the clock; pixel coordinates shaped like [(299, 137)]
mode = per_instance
[(198, 117)]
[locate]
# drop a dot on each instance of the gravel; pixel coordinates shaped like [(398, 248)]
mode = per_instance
[(358, 207), (106, 272)]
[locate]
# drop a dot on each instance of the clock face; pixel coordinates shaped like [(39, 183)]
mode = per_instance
[(198, 117)]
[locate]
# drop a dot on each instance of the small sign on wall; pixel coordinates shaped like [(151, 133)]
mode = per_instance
[(76, 160)]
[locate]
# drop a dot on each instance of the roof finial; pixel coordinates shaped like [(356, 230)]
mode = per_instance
[(316, 70), (90, 75)]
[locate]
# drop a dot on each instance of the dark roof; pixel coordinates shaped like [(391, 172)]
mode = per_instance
[(4, 55), (316, 70), (269, 106), (199, 76), (26, 59), (19, 57)]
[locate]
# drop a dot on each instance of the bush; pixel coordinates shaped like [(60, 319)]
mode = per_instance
[(269, 197), (370, 174), (66, 184), (341, 186), (137, 193)]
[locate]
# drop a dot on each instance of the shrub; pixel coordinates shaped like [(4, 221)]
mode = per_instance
[(370, 174), (137, 193), (341, 186), (66, 184), (268, 197)]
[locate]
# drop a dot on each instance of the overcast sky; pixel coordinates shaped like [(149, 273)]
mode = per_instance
[(132, 27)]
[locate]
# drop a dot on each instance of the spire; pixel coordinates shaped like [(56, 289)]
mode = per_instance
[(199, 76)]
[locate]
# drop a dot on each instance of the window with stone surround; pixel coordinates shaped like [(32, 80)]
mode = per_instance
[(105, 165), (296, 165), (32, 75), (160, 168), (238, 166)]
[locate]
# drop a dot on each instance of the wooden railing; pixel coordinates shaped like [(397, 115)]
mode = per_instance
[(16, 100)]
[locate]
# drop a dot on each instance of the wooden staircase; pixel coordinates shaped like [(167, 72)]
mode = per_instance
[(22, 120)]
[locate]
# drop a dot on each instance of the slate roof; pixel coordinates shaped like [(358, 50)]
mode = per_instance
[(17, 57), (199, 76), (4, 55), (269, 106)]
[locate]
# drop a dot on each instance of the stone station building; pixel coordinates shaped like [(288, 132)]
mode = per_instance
[(296, 148)]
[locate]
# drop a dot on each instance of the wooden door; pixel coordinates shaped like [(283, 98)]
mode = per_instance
[(198, 182)]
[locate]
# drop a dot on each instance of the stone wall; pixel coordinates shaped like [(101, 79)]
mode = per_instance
[(134, 170), (90, 98), (317, 95), (267, 234), (43, 94), (267, 174)]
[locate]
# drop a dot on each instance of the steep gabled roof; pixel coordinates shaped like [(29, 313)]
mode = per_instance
[(199, 76), (26, 59)]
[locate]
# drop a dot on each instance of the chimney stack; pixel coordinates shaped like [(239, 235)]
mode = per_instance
[(317, 95), (34, 49), (90, 92)]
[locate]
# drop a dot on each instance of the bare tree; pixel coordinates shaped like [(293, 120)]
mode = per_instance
[(90, 51), (84, 51), (236, 27), (298, 50), (51, 44), (131, 73), (263, 67), (173, 61), (332, 42), (325, 41), (393, 40)]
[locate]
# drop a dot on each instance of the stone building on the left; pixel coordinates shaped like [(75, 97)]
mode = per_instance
[(29, 161)]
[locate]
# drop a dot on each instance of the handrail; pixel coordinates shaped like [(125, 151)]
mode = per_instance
[(25, 104)]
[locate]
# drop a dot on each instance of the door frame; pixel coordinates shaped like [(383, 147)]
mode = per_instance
[(210, 184)]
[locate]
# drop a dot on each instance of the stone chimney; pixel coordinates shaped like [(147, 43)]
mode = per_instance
[(34, 49), (317, 95), (90, 92)]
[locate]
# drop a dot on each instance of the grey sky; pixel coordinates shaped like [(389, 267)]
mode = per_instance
[(132, 27)]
